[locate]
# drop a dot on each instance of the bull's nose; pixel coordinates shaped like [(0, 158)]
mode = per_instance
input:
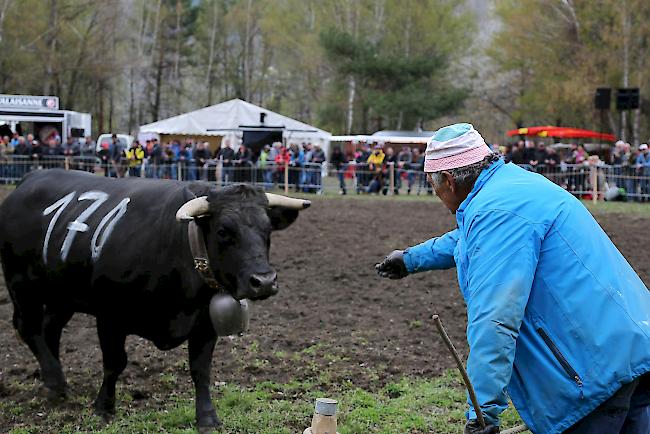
[(264, 283)]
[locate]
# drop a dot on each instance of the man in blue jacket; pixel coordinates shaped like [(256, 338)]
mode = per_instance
[(558, 321)]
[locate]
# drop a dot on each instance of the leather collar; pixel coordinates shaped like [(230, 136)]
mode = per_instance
[(200, 254)]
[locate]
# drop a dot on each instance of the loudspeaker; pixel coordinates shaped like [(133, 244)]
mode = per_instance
[(603, 98), (627, 98)]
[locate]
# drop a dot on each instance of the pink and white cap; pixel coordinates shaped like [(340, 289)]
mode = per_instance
[(454, 146)]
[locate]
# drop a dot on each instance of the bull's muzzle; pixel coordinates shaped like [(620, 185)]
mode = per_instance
[(263, 285)]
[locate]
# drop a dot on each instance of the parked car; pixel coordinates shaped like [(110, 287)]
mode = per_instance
[(107, 138)]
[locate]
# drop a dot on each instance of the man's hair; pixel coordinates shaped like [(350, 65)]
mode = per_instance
[(465, 176)]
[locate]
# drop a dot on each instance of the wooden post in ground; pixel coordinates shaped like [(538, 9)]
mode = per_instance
[(286, 177), (392, 177), (593, 177), (217, 173)]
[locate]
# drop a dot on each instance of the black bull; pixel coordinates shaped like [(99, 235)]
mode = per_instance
[(73, 242)]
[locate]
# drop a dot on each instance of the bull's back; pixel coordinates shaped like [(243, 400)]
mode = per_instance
[(77, 228)]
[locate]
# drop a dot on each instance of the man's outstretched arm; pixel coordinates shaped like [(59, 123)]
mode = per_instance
[(434, 254)]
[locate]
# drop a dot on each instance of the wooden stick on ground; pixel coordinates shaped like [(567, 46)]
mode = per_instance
[(468, 384), (515, 430), (461, 368)]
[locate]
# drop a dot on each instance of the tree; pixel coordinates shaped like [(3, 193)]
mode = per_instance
[(559, 51), (400, 84)]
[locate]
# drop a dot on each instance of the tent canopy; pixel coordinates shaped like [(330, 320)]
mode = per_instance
[(561, 132), (235, 117)]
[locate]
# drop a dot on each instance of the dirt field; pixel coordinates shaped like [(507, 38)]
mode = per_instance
[(333, 314)]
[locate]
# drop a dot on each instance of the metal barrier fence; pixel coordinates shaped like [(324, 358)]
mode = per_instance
[(583, 180), (599, 181)]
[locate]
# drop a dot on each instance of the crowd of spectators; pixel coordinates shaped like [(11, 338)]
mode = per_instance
[(623, 167), (194, 160), (187, 160), (377, 168), (374, 167)]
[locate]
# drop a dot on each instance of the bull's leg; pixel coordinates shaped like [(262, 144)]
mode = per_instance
[(200, 346), (111, 341), (55, 320), (29, 322)]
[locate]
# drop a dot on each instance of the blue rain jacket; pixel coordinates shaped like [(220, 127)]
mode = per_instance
[(557, 318)]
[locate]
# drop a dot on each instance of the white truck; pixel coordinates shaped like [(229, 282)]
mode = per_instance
[(41, 116)]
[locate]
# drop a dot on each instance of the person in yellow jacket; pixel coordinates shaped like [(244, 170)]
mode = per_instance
[(375, 162), (135, 156)]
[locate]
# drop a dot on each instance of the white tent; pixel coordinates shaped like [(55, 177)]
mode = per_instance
[(234, 117)]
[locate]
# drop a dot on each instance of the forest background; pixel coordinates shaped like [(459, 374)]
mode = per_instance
[(346, 66)]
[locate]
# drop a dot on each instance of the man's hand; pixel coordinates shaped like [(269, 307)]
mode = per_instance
[(392, 266), (473, 427)]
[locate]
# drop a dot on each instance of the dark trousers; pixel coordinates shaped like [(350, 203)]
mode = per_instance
[(626, 412)]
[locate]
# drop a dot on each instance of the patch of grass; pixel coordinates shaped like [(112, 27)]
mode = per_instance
[(411, 405), (280, 354), (642, 209), (415, 324), (168, 378)]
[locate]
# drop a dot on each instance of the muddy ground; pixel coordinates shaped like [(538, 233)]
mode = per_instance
[(333, 321)]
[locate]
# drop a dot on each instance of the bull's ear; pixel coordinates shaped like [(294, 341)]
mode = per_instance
[(281, 217)]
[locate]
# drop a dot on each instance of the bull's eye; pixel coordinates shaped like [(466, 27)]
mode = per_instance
[(222, 233)]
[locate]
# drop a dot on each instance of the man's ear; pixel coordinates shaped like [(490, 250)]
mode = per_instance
[(282, 217), (450, 180)]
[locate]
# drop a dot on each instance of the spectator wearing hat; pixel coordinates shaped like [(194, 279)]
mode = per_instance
[(134, 157)]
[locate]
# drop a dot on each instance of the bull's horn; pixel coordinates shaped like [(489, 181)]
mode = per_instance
[(193, 208), (287, 202)]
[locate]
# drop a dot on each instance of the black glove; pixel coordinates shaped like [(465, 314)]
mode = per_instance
[(473, 427), (392, 266)]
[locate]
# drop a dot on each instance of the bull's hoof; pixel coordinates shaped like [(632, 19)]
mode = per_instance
[(54, 395), (105, 415), (208, 422), (57, 394), (106, 412)]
